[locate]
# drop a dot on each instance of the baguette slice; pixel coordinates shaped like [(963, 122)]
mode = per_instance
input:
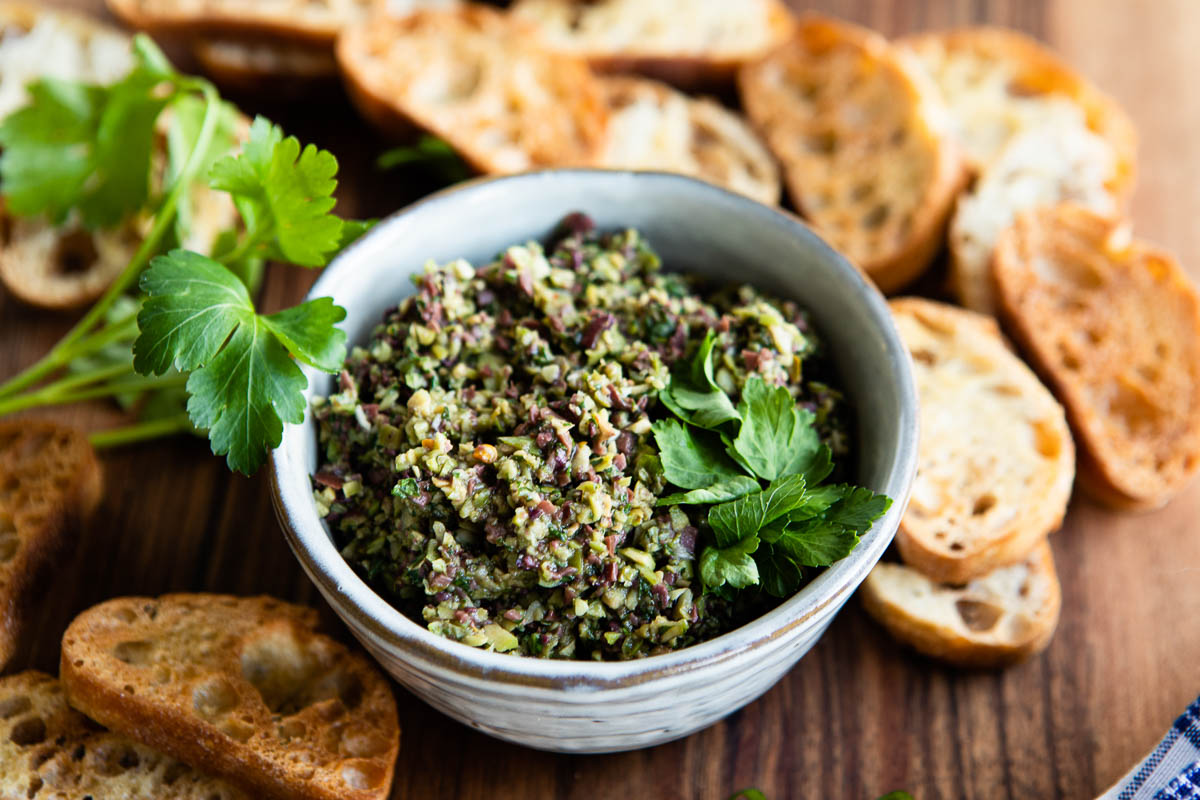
[(69, 267), (690, 43), (1114, 326), (861, 133), (49, 750), (996, 459), (243, 688), (471, 77), (998, 83), (50, 486), (39, 264), (997, 619), (315, 21), (1039, 167), (655, 127), (254, 65)]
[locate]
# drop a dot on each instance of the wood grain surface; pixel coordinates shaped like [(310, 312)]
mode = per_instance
[(858, 716)]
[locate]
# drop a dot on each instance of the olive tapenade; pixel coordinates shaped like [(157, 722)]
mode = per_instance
[(488, 464)]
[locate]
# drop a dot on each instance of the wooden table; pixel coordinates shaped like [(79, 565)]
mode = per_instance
[(858, 716)]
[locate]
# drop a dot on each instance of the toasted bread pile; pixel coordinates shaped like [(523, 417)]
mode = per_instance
[(995, 469), (244, 690)]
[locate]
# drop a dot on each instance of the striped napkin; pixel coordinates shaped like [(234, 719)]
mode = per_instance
[(1172, 770)]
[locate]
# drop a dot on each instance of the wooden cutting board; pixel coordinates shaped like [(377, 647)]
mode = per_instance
[(858, 716)]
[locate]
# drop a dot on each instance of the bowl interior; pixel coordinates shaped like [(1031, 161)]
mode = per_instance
[(695, 227)]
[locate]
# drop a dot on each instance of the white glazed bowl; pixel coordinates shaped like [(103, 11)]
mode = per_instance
[(587, 706)]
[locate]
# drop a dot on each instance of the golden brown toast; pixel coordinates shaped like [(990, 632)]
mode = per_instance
[(861, 133), (316, 21), (1038, 167), (996, 619), (471, 77), (1113, 324), (998, 82), (689, 43), (48, 750), (69, 267), (996, 460), (243, 688), (50, 485), (653, 126)]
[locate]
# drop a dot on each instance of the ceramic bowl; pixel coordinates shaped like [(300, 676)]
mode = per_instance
[(587, 706)]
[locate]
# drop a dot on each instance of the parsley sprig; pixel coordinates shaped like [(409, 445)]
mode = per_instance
[(722, 455), (190, 350)]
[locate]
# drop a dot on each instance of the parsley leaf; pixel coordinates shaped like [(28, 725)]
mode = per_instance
[(199, 317), (431, 152), (733, 565), (748, 514), (76, 146), (693, 394), (284, 194), (777, 438), (691, 459), (724, 489)]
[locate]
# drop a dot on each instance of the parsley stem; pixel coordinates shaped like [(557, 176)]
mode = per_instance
[(141, 431), (162, 221), (68, 347), (61, 393)]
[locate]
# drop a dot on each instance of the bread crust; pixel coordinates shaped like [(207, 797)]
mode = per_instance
[(719, 147), (996, 462), (1113, 325), (304, 22), (265, 64), (482, 59), (50, 487), (1030, 69), (242, 688), (47, 749), (880, 190), (995, 620), (700, 67)]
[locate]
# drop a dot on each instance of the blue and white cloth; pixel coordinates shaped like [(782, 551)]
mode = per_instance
[(1172, 770)]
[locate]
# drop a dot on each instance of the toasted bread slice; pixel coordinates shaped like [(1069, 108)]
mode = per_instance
[(69, 267), (254, 65), (316, 21), (997, 83), (49, 750), (996, 459), (655, 127), (860, 132), (471, 77), (37, 42), (996, 619), (62, 268), (1039, 167), (690, 43), (50, 485), (243, 688), (1113, 324)]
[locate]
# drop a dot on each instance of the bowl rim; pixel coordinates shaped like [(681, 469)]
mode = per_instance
[(372, 615)]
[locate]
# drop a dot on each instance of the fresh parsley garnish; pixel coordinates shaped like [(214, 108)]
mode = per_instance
[(199, 318), (85, 152), (83, 148), (722, 454)]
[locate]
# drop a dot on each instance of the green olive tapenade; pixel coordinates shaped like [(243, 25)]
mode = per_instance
[(488, 463)]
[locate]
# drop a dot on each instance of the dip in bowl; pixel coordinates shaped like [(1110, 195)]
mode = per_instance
[(592, 706)]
